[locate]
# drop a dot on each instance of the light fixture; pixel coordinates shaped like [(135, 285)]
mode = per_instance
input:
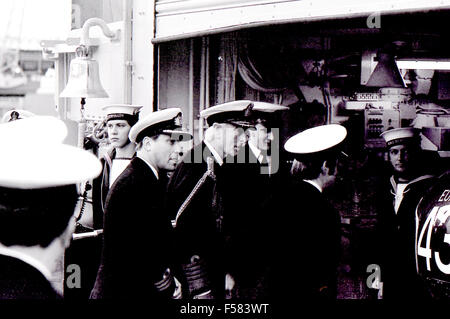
[(386, 73), (423, 64)]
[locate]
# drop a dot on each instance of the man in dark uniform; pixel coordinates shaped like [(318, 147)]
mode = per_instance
[(397, 199), (135, 223), (197, 196), (257, 175), (119, 120), (307, 240), (37, 203)]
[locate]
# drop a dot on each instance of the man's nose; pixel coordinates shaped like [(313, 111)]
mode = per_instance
[(180, 151), (177, 148), (403, 155)]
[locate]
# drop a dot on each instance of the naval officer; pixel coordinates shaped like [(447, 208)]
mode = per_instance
[(306, 250), (197, 196), (135, 222), (258, 173)]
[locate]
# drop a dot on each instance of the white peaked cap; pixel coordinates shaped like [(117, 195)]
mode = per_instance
[(268, 107), (316, 139), (167, 121), (21, 113), (33, 155)]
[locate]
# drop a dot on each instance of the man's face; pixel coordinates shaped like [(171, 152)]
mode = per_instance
[(330, 177), (261, 137), (167, 152), (233, 138), (400, 158), (118, 133)]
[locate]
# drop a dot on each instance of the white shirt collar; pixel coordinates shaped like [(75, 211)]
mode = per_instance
[(155, 171), (117, 168), (313, 183), (259, 156), (399, 192), (256, 151), (29, 260), (216, 155)]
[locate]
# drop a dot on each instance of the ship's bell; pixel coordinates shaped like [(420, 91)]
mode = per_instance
[(84, 80)]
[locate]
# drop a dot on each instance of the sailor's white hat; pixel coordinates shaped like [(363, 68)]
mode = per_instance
[(399, 136), (129, 112), (34, 156), (168, 121), (316, 139), (130, 109)]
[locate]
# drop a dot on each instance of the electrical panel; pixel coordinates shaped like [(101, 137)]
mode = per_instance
[(376, 122)]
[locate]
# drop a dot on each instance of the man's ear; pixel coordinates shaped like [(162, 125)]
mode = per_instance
[(147, 143), (250, 133), (325, 168), (66, 237)]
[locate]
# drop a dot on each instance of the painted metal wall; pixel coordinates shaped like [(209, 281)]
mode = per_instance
[(142, 74), (126, 66), (187, 18)]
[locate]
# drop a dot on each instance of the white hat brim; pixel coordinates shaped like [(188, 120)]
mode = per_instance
[(268, 107), (49, 166), (33, 155), (35, 128), (153, 119), (175, 134), (316, 139)]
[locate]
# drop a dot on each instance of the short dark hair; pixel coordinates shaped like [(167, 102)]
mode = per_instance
[(131, 119), (30, 217), (311, 166)]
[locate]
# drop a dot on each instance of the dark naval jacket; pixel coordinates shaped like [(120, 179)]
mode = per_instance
[(100, 188), (253, 206), (199, 227), (307, 245), (19, 280), (135, 226), (396, 235)]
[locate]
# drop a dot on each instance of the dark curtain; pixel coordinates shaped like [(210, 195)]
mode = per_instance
[(268, 62)]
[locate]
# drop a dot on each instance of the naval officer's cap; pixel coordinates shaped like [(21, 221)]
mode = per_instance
[(237, 113), (167, 121), (34, 156), (267, 114), (402, 135), (13, 115), (316, 141), (127, 112), (267, 108)]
